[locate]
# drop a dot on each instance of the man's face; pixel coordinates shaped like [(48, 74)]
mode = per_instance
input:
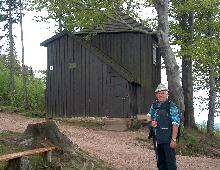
[(162, 96)]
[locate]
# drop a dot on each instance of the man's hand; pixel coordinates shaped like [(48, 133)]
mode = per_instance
[(174, 135), (173, 144), (154, 123)]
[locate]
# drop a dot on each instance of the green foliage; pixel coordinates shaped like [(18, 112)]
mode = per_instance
[(4, 78), (217, 135), (202, 43), (5, 7), (35, 88), (195, 27), (37, 160), (77, 14)]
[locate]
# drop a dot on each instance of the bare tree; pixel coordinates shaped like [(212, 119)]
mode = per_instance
[(212, 90), (186, 24), (24, 71), (11, 54), (172, 68)]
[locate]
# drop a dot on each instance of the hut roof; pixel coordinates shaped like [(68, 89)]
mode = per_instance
[(120, 23)]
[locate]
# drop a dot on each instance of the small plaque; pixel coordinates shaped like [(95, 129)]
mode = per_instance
[(72, 65), (51, 67)]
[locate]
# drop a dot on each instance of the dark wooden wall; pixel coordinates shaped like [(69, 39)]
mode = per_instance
[(133, 51), (80, 84)]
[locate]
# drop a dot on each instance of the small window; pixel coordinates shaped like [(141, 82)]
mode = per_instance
[(154, 54)]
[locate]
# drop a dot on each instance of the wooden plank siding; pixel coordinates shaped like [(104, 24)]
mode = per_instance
[(134, 52), (78, 81), (86, 88), (110, 75), (70, 74), (124, 48)]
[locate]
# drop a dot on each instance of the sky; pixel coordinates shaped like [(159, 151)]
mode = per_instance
[(34, 33), (36, 55)]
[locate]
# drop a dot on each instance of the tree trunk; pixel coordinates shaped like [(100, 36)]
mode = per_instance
[(187, 81), (186, 24), (212, 96), (11, 55), (172, 69), (212, 90), (24, 71)]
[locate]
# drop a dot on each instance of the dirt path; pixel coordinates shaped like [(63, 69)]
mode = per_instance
[(119, 149)]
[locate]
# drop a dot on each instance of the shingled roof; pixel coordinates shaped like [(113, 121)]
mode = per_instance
[(120, 23)]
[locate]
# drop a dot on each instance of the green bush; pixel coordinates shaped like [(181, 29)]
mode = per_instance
[(4, 87), (35, 90), (196, 142)]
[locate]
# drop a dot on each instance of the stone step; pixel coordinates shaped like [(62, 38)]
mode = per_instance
[(118, 128), (141, 117), (112, 121), (116, 124)]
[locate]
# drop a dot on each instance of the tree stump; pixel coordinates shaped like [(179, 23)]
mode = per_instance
[(49, 131)]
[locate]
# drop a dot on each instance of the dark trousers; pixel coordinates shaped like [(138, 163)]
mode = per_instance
[(166, 157)]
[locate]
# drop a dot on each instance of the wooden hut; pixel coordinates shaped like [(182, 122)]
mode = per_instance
[(113, 74)]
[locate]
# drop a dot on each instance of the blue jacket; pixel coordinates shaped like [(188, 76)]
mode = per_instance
[(166, 114), (174, 112)]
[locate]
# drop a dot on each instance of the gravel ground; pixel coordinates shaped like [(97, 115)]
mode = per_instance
[(119, 149)]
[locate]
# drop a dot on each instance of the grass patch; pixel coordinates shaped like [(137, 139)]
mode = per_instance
[(7, 146), (10, 109), (37, 161), (84, 122), (34, 114), (190, 144)]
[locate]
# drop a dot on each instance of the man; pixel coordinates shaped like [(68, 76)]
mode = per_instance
[(165, 121)]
